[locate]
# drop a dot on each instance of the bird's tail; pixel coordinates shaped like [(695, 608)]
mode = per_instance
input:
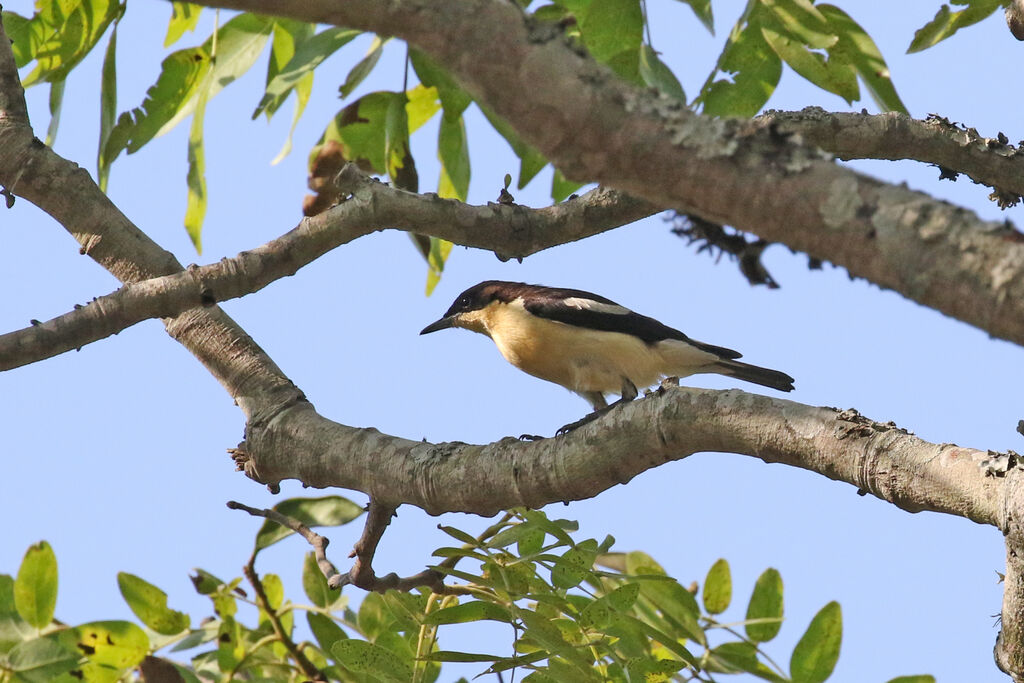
[(753, 373)]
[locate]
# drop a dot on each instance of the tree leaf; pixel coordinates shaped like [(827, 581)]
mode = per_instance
[(363, 657), (35, 588), (41, 660), (674, 601), (325, 630), (575, 564), (108, 108), (765, 603), (7, 595), (314, 583), (112, 648), (195, 208), (374, 616), (653, 670), (326, 511), (56, 102), (476, 610), (453, 98), (561, 187), (184, 17), (176, 93), (857, 47), (921, 678), (702, 8), (149, 604), (754, 70), (656, 74), (815, 655), (718, 588), (363, 67), (309, 54), (612, 27), (946, 23), (453, 152), (530, 160), (834, 75), (61, 34)]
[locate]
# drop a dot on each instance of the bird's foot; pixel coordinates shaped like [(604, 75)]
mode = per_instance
[(586, 419), (531, 437)]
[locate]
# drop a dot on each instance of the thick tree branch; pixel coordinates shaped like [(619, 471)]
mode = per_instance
[(596, 127), (879, 458), (508, 230), (894, 136)]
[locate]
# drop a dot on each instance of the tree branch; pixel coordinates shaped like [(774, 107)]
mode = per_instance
[(878, 458), (894, 136), (508, 230), (759, 179)]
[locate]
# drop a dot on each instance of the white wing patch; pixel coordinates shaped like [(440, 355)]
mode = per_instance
[(596, 306)]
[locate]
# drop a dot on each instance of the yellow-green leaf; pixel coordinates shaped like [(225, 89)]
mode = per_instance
[(815, 655), (35, 588)]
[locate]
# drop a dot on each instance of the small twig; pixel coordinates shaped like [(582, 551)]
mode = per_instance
[(714, 237), (318, 542), (308, 668), (361, 575)]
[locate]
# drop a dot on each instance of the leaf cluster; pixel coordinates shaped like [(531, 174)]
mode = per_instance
[(575, 610)]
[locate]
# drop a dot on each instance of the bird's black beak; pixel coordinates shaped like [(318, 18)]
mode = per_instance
[(442, 324)]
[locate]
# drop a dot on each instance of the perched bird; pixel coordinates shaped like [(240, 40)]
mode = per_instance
[(589, 344)]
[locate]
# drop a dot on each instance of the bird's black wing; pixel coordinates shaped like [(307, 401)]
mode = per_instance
[(583, 309)]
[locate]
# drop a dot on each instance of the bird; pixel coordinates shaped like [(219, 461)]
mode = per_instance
[(589, 344)]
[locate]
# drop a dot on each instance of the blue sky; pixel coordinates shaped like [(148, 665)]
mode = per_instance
[(115, 454)]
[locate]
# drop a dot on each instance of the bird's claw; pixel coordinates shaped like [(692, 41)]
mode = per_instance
[(530, 437)]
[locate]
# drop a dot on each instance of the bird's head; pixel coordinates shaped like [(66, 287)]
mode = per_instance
[(471, 308)]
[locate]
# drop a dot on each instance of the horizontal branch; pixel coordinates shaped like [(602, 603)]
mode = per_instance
[(671, 424), (509, 230), (595, 127), (895, 136)]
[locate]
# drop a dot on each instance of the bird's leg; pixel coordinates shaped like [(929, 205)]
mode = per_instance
[(629, 392)]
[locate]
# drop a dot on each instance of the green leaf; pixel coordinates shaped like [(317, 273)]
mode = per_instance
[(149, 604), (315, 584), (309, 53), (561, 187), (573, 567), (41, 660), (453, 152), (363, 67), (801, 21), (108, 108), (313, 512), (230, 646), (195, 209), (374, 616), (833, 75), (652, 669), (718, 588), (56, 102), (468, 612), (184, 17), (363, 657), (453, 98), (815, 655), (656, 74), (288, 34), (857, 47), (449, 656), (205, 583), (753, 66), (702, 8), (176, 93), (530, 160), (946, 23), (922, 678), (61, 34), (111, 647), (35, 589), (7, 595), (765, 603), (612, 27), (325, 630), (671, 599)]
